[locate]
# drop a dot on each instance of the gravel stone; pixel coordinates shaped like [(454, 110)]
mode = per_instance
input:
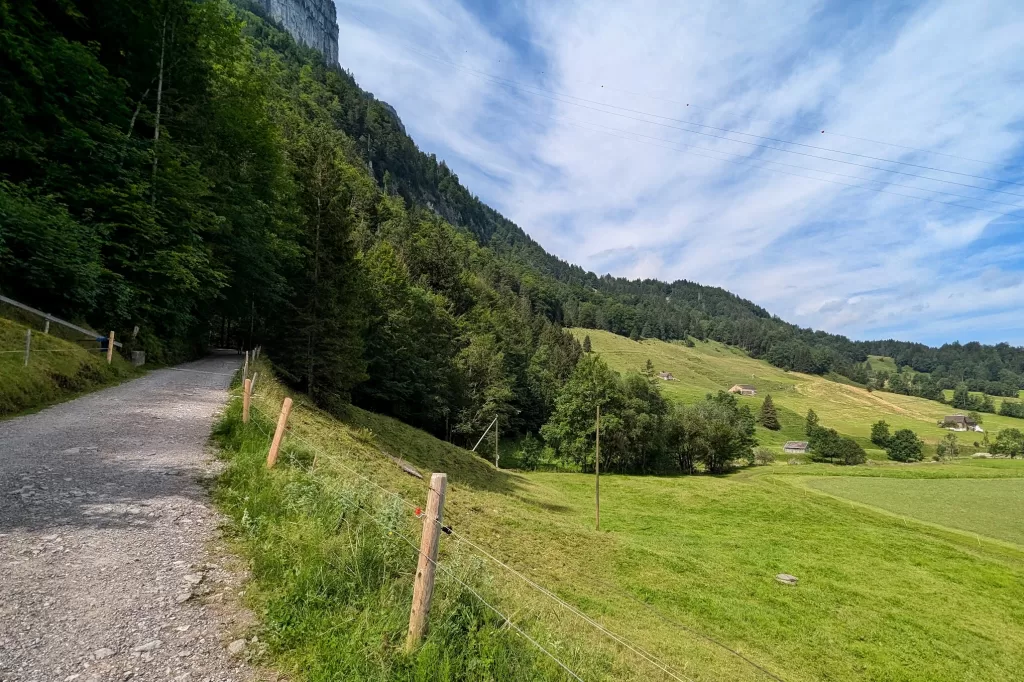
[(236, 647), (103, 515)]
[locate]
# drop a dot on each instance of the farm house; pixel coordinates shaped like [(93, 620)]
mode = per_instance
[(795, 447), (743, 389)]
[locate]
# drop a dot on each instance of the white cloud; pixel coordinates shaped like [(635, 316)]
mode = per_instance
[(943, 76)]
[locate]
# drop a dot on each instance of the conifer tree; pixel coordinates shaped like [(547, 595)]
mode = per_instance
[(769, 418), (586, 343), (812, 423)]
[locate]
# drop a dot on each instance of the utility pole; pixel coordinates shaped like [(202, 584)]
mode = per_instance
[(597, 472)]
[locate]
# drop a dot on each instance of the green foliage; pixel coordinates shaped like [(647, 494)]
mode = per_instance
[(586, 344), (948, 447), (829, 445), (812, 423), (1010, 442), (763, 456), (713, 433), (59, 370), (880, 433), (530, 452), (1009, 408), (905, 446), (331, 578), (769, 418)]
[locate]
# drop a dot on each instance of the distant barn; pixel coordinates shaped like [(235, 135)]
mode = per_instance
[(743, 389), (795, 447), (667, 376), (960, 422)]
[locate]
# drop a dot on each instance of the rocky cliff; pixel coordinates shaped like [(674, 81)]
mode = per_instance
[(311, 22)]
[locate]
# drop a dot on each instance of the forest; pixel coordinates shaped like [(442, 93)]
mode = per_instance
[(187, 168)]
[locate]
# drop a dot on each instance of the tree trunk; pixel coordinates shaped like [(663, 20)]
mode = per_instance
[(159, 105)]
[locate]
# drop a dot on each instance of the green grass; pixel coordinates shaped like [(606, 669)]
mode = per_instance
[(975, 505), (851, 410), (880, 597), (996, 400), (882, 363), (57, 370)]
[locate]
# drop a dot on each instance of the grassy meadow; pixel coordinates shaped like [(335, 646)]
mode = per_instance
[(678, 560), (974, 505), (850, 410), (57, 370)]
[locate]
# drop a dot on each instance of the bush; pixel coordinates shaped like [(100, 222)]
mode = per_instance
[(905, 446), (763, 456), (529, 453), (880, 433)]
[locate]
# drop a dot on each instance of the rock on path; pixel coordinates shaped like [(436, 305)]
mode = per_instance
[(105, 536)]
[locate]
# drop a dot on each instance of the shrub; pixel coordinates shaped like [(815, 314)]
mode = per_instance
[(905, 446), (880, 433), (763, 456)]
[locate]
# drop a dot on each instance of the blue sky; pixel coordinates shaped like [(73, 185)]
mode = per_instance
[(630, 138)]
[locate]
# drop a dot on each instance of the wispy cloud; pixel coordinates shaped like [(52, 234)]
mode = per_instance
[(617, 190)]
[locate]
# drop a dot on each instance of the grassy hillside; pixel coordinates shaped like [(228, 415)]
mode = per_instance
[(851, 410), (677, 560), (57, 369)]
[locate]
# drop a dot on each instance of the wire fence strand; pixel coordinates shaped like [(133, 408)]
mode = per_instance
[(643, 654)]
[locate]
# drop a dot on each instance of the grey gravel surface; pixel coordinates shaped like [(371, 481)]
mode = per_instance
[(106, 568)]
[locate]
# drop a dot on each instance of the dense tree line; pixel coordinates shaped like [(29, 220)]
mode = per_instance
[(639, 431), (188, 168)]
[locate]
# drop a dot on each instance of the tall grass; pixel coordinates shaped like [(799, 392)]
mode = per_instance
[(332, 572), (57, 369)]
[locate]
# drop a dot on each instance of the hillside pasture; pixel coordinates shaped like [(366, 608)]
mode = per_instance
[(710, 366), (973, 505), (677, 560)]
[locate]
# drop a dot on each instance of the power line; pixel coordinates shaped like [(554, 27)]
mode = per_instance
[(837, 151), (747, 160), (497, 80), (918, 149), (553, 95)]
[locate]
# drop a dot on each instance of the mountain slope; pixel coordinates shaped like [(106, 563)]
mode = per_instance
[(710, 367), (647, 308)]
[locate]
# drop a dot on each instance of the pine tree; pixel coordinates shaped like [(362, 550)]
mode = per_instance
[(812, 423), (769, 418), (586, 343)]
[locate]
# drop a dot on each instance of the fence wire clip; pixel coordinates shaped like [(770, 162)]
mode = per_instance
[(447, 530)]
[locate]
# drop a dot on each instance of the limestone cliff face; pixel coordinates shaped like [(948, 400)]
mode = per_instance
[(311, 22)]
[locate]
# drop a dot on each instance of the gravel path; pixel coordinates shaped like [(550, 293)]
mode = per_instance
[(106, 570)]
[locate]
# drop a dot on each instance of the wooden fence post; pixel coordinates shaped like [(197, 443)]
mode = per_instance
[(245, 367), (423, 588), (46, 328), (110, 348), (28, 344), (282, 421), (597, 473), (246, 398), (252, 386)]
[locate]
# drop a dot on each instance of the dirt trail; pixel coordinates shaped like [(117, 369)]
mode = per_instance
[(105, 531)]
